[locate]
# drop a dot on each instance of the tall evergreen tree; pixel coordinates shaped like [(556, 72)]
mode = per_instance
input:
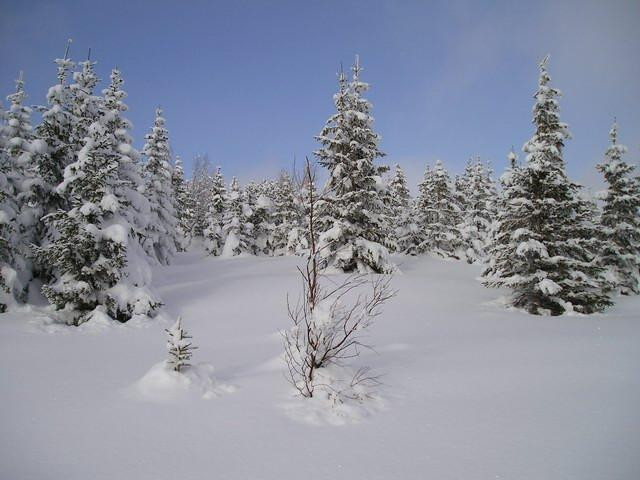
[(540, 248), (129, 188), (56, 132), (9, 288), (285, 212), (477, 193), (86, 107), (259, 199), (620, 220), (237, 228), (437, 216), (184, 203), (24, 185), (201, 190), (161, 237), (88, 257), (214, 232), (298, 240), (399, 207), (352, 213)]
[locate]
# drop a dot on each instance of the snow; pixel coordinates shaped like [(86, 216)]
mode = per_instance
[(470, 390), (161, 384)]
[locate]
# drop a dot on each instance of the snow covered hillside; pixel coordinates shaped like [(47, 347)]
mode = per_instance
[(470, 389)]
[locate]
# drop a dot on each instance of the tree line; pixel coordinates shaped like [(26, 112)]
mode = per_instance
[(84, 215)]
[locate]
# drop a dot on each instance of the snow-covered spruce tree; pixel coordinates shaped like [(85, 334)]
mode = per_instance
[(258, 210), (85, 106), (8, 235), (478, 193), (437, 215), (352, 212), (55, 140), (130, 186), (620, 220), (88, 257), (179, 346), (185, 204), (541, 249), (399, 207), (200, 188), (161, 237), (24, 185), (133, 206), (286, 214), (327, 330), (237, 228), (298, 241), (214, 233)]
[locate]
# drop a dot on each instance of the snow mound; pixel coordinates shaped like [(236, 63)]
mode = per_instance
[(337, 400), (161, 384)]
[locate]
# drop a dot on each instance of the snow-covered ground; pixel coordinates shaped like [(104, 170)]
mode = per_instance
[(471, 390)]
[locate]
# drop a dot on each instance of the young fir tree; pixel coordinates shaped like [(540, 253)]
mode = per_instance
[(89, 255), (399, 207), (286, 214), (179, 346), (161, 237), (237, 228), (437, 215), (352, 214), (477, 192), (620, 220), (541, 248), (214, 233)]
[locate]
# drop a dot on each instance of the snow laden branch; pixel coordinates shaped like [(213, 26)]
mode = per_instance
[(328, 323)]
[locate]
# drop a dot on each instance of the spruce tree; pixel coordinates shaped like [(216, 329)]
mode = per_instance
[(179, 346), (298, 241), (620, 220), (260, 203), (477, 192), (56, 132), (541, 248), (200, 189), (437, 216), (85, 106), (129, 188), (352, 212), (24, 185), (184, 203), (161, 237), (88, 257), (399, 207), (214, 232), (9, 289), (237, 228), (286, 214)]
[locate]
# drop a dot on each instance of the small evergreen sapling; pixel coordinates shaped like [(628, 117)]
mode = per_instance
[(179, 346)]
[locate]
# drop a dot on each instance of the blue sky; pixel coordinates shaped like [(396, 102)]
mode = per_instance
[(251, 82)]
